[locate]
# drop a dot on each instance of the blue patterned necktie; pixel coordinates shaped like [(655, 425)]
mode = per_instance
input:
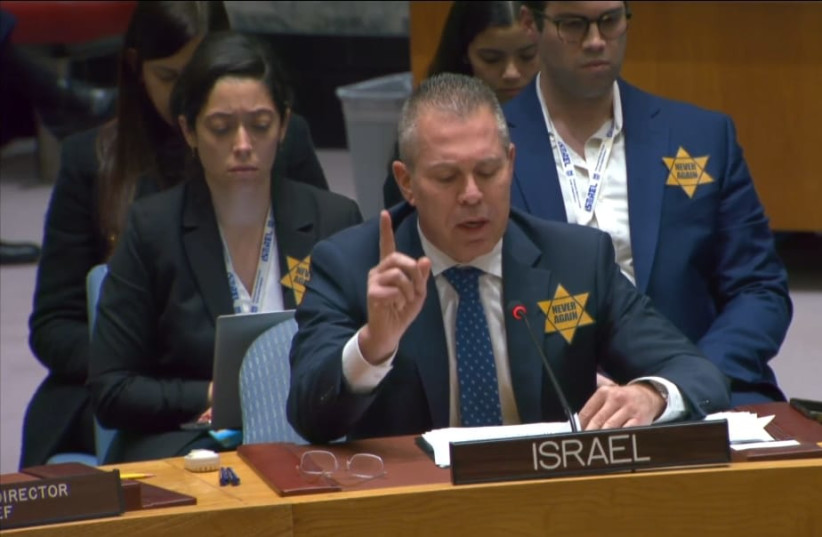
[(476, 370)]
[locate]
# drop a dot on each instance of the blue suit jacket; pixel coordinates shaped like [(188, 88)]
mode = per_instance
[(627, 336), (707, 262)]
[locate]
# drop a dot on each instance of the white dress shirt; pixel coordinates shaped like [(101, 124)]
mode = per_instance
[(611, 210), (267, 295), (363, 377), (356, 369)]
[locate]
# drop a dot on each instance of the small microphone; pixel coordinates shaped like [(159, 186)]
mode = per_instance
[(518, 312)]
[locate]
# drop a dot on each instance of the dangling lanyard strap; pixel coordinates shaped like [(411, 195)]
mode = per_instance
[(243, 303), (585, 196)]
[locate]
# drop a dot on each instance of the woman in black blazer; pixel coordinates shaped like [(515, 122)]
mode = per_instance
[(230, 239), (102, 171)]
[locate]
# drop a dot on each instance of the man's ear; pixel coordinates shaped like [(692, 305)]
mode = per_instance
[(188, 133), (403, 177), (509, 164), (528, 22)]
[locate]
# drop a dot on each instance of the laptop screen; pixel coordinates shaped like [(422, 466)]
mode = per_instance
[(235, 334)]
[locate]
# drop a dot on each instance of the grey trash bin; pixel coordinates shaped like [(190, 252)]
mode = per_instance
[(372, 109)]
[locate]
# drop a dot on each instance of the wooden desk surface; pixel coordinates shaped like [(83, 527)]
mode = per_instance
[(752, 499), (219, 511)]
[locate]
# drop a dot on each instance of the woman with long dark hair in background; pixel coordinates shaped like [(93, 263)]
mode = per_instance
[(484, 40), (139, 152), (229, 239)]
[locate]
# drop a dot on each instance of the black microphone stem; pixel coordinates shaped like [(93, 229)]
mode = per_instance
[(560, 394)]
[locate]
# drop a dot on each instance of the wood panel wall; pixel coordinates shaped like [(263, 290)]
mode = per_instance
[(426, 21), (760, 62)]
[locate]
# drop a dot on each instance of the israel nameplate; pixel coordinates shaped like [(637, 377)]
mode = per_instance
[(590, 452)]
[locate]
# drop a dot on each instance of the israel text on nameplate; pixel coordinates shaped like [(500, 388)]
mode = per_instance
[(590, 452), (61, 499)]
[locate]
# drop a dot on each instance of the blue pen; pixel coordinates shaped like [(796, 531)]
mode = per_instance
[(233, 477), (224, 477)]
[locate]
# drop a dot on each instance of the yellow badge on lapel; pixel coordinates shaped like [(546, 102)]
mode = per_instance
[(687, 171), (298, 275), (565, 313)]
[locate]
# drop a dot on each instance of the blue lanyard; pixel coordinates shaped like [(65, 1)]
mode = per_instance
[(242, 301), (585, 196)]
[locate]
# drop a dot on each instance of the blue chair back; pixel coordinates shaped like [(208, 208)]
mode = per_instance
[(102, 437), (265, 377), (94, 285)]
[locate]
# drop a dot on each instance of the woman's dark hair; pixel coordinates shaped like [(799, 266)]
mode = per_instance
[(465, 21), (138, 142), (228, 54)]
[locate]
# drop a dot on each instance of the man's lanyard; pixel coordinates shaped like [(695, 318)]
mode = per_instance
[(585, 195), (243, 303)]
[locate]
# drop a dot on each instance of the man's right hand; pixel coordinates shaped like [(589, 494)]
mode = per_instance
[(396, 293)]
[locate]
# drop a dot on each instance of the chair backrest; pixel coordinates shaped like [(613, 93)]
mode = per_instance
[(94, 284), (265, 377), (102, 437)]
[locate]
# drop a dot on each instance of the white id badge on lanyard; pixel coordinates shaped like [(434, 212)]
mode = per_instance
[(243, 303), (585, 195)]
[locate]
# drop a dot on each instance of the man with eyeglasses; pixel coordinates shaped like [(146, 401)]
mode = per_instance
[(404, 327), (667, 181)]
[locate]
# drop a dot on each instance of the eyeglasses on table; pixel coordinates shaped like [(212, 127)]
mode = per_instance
[(321, 463)]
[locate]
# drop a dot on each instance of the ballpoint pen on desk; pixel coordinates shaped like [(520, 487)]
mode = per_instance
[(227, 475), (233, 477)]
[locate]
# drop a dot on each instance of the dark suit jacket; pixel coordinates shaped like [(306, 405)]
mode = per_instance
[(708, 262), (627, 335), (72, 245), (153, 345)]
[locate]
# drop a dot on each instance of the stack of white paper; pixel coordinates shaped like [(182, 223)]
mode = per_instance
[(746, 430), (744, 427), (439, 439)]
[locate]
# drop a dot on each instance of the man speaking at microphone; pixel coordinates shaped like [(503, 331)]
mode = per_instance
[(403, 326)]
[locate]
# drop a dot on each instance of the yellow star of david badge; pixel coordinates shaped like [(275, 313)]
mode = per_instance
[(687, 171), (565, 313), (298, 275)]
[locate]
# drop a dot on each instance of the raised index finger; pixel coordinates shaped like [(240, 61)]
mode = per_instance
[(387, 245)]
